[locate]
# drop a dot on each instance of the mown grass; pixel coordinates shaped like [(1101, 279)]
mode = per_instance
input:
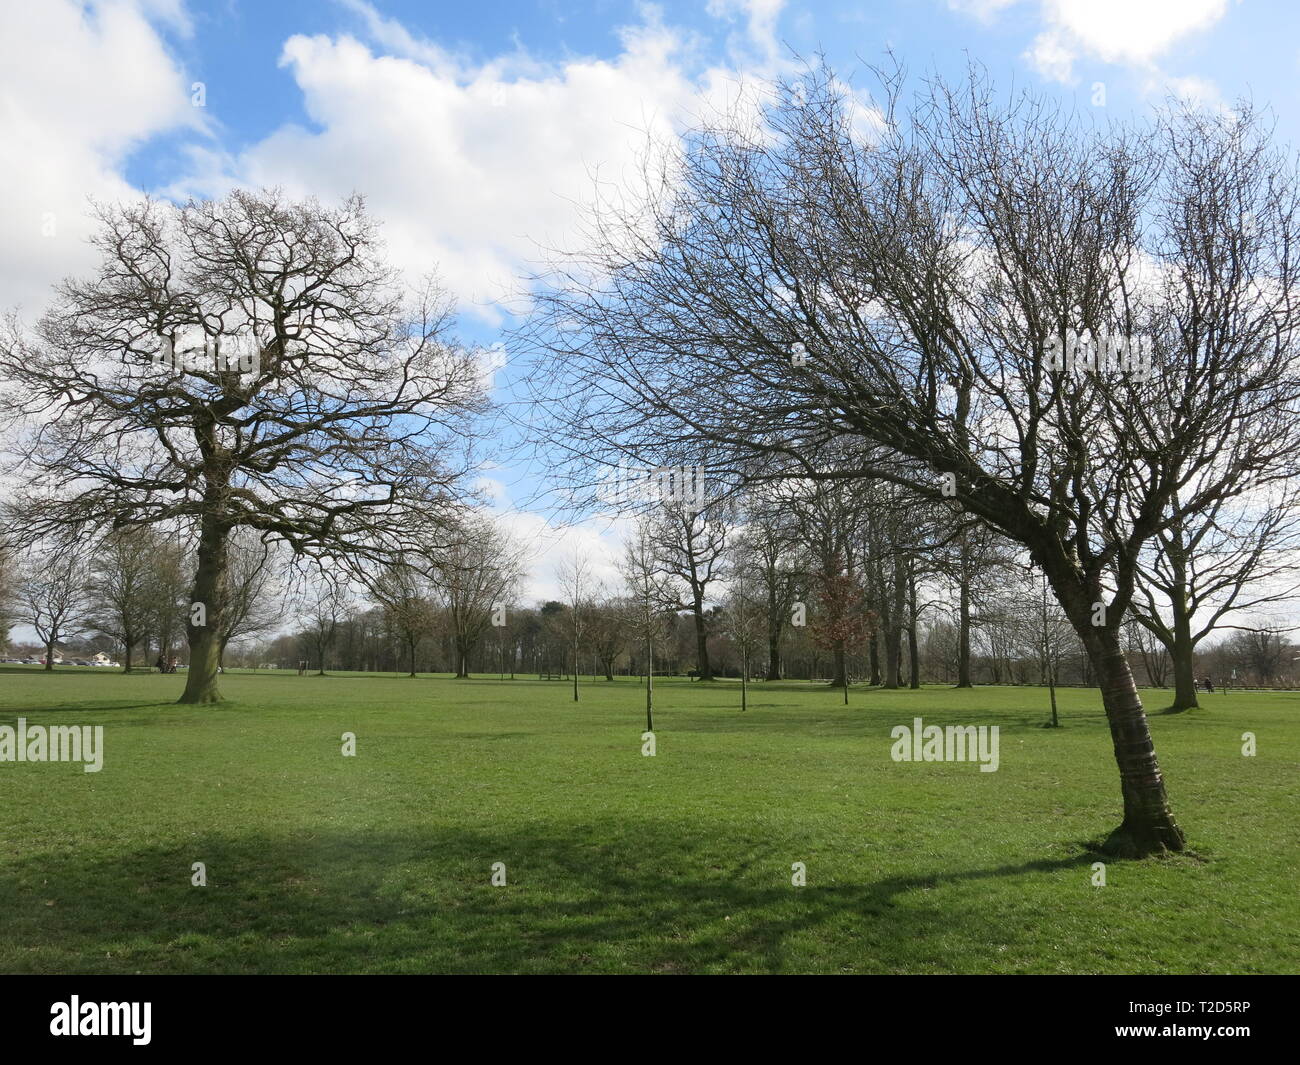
[(615, 862)]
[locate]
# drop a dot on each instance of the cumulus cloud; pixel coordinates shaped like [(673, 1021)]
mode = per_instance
[(475, 169), (1119, 32), (1116, 31), (80, 88), (760, 18)]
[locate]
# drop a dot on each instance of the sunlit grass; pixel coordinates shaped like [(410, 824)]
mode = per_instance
[(622, 863)]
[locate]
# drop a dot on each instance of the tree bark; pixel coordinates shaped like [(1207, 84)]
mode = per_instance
[(209, 590), (894, 627), (704, 670), (913, 650), (1148, 826), (649, 686), (1182, 650), (774, 628), (963, 616), (841, 673)]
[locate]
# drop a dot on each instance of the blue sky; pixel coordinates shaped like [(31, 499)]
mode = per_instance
[(473, 128)]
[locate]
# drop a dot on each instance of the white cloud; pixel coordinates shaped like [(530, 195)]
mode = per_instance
[(1115, 31), (760, 24), (1200, 92), (79, 88), (473, 169), (551, 545), (1123, 32)]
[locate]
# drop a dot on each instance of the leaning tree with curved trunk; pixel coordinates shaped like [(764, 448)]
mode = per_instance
[(826, 290), (247, 363)]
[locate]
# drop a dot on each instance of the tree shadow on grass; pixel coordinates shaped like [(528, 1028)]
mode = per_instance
[(91, 706), (614, 897)]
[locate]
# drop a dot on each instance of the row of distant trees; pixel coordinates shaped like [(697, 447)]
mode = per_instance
[(127, 592), (894, 589), (729, 595)]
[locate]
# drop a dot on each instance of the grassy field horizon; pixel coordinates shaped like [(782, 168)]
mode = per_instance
[(616, 862)]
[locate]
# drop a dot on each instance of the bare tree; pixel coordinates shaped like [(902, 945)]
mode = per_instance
[(831, 519), (476, 574), (407, 602), (249, 609), (1154, 654), (118, 589), (1234, 554), (1042, 629), (242, 363), (843, 622), (169, 579), (906, 306), (745, 618), (773, 555), (690, 547), (576, 580), (53, 599), (325, 606), (1261, 650), (609, 621), (647, 592)]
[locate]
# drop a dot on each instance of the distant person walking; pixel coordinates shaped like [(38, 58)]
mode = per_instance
[(161, 664)]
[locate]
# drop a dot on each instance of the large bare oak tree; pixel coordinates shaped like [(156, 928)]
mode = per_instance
[(246, 363)]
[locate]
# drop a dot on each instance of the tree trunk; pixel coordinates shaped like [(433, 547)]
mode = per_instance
[(1148, 826), (649, 686), (744, 683), (913, 651), (893, 655), (963, 616), (1181, 654), (209, 590), (773, 650), (841, 673), (49, 657), (702, 667), (874, 653), (894, 627)]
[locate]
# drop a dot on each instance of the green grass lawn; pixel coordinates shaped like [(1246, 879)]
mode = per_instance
[(615, 862)]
